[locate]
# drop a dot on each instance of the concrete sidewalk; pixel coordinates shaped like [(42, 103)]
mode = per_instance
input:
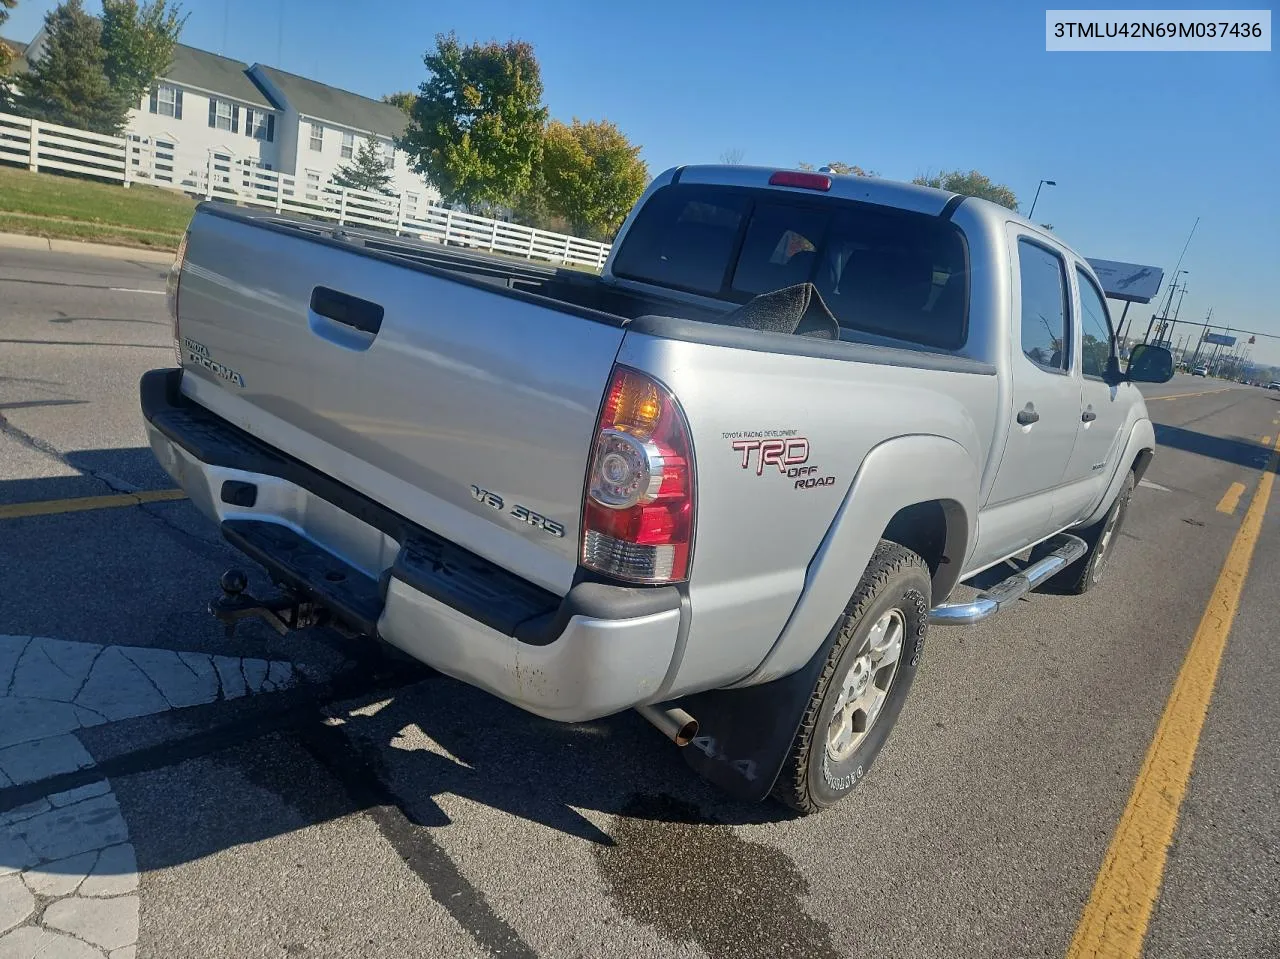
[(20, 241)]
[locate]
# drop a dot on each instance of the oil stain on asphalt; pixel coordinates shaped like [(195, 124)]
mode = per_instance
[(700, 882)]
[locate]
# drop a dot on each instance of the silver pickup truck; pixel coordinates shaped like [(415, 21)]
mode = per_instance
[(729, 483)]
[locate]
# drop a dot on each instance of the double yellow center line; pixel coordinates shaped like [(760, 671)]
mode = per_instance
[(1114, 922)]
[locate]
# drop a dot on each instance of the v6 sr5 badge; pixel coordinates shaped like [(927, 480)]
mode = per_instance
[(790, 455)]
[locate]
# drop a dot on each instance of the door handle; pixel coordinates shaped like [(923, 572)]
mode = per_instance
[(347, 309), (1088, 416), (1028, 416)]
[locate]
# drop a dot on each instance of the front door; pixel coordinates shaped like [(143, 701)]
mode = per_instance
[(1045, 412), (1103, 408)]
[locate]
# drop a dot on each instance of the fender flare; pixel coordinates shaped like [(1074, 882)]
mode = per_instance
[(745, 732), (1142, 437)]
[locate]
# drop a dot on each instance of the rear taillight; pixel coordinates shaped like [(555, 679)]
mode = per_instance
[(638, 520), (171, 292)]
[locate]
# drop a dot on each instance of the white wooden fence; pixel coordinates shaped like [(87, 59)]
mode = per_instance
[(224, 176)]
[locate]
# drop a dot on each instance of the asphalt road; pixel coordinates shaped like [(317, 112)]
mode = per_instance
[(360, 807)]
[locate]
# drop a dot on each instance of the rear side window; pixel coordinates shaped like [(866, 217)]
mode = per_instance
[(889, 272), (1044, 306)]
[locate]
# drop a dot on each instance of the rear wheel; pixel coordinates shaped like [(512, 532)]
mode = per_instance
[(879, 639)]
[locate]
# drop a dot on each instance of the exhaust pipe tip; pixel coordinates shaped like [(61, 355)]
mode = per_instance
[(674, 723)]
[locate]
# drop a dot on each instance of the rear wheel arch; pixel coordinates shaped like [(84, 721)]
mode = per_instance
[(938, 532)]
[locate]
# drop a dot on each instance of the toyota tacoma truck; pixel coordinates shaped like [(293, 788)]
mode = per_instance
[(729, 483)]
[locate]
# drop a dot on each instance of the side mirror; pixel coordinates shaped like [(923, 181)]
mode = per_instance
[(1150, 364)]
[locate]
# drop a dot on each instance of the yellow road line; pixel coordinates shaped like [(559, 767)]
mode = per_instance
[(1178, 396), (1266, 441), (1231, 498), (79, 503), (1114, 922)]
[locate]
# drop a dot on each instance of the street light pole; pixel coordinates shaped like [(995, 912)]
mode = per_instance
[(1032, 212)]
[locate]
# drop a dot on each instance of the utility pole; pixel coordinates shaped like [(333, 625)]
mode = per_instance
[(1177, 271), (1204, 328)]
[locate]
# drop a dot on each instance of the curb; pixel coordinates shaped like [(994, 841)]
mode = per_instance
[(19, 241)]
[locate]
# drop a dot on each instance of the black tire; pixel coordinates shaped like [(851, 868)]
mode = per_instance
[(895, 579), (1084, 574)]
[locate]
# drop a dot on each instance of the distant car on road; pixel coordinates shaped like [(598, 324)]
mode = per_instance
[(1200, 371), (1274, 385)]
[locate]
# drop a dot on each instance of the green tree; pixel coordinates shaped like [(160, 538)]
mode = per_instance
[(972, 183), (138, 44), (68, 84), (475, 130), (403, 99), (6, 56), (593, 175), (366, 171)]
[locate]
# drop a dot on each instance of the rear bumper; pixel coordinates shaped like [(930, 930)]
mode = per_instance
[(598, 650)]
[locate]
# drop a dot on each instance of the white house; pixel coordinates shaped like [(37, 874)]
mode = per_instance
[(260, 116), (204, 103), (322, 127)]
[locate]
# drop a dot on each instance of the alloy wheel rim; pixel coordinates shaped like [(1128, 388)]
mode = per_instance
[(865, 686)]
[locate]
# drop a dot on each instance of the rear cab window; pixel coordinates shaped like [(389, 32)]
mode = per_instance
[(880, 270)]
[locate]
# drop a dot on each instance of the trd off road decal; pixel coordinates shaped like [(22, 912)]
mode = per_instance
[(778, 448)]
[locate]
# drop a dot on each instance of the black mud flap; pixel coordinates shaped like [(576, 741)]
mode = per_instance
[(745, 735)]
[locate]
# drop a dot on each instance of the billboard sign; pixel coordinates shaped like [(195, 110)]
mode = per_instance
[(1128, 281), (1221, 339)]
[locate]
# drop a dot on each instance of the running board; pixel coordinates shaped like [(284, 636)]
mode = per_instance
[(1070, 548)]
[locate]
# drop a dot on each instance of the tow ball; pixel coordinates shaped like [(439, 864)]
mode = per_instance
[(282, 613)]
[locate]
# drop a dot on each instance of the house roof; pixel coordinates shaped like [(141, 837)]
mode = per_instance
[(336, 106), (215, 74)]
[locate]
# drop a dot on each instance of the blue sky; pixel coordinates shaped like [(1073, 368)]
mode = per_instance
[(1140, 144)]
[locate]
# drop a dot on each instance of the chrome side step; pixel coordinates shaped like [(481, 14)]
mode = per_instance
[(1070, 548)]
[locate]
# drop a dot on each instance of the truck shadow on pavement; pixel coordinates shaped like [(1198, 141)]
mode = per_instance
[(1235, 450)]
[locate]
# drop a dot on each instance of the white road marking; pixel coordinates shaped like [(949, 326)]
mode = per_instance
[(1150, 485), (126, 289), (73, 846)]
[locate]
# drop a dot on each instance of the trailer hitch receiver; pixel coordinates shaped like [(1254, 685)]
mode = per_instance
[(282, 613)]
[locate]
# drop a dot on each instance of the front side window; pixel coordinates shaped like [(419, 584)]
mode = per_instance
[(317, 137), (1095, 327), (348, 145), (1044, 306)]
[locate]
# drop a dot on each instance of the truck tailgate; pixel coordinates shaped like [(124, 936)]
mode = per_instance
[(465, 408)]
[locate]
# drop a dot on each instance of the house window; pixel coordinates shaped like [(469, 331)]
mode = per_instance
[(259, 124), (317, 137), (165, 101), (220, 114), (348, 145), (388, 150)]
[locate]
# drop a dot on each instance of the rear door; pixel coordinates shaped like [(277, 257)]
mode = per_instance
[(1045, 411), (439, 398)]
